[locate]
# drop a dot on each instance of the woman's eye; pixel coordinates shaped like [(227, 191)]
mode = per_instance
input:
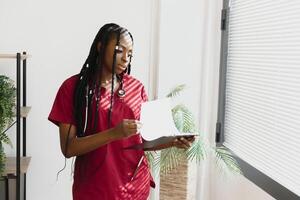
[(119, 49)]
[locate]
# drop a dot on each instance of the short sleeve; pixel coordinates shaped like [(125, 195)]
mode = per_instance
[(144, 94), (62, 110)]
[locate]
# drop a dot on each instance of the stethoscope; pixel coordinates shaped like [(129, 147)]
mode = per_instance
[(121, 91), (89, 94)]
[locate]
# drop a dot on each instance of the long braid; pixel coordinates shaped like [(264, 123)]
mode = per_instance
[(80, 91), (113, 82), (80, 94), (98, 80), (128, 70)]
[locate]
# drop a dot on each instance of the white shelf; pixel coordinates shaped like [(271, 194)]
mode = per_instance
[(10, 165), (13, 56), (25, 110)]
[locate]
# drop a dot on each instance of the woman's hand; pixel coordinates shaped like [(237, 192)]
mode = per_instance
[(183, 142), (127, 127)]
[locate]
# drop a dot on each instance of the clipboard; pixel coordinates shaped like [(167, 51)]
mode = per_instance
[(148, 145)]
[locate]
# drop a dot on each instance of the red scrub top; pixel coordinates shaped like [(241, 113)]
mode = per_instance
[(106, 172)]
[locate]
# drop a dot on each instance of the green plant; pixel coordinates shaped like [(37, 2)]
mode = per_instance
[(168, 159), (7, 104)]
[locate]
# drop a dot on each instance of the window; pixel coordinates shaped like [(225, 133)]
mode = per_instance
[(259, 100)]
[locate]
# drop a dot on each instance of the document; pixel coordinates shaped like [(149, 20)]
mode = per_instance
[(157, 120), (158, 127)]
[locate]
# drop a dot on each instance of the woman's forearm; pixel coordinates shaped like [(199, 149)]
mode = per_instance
[(158, 144), (81, 145), (157, 148), (71, 145), (169, 141)]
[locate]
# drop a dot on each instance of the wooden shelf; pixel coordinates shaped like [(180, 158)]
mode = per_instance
[(25, 110), (10, 165), (13, 56)]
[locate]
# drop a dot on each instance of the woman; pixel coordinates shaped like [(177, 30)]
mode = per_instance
[(97, 112)]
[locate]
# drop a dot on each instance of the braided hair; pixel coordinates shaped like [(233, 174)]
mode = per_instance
[(90, 77)]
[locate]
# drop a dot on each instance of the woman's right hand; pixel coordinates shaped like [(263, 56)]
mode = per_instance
[(127, 127)]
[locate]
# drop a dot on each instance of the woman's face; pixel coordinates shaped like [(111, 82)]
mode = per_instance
[(123, 54)]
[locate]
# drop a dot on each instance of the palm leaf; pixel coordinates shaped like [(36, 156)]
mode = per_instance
[(197, 151), (225, 161), (156, 162), (175, 92), (150, 155), (183, 119), (171, 157)]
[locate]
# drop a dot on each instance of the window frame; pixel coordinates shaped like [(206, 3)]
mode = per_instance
[(260, 179)]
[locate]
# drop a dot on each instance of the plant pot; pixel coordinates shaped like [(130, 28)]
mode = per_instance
[(173, 186)]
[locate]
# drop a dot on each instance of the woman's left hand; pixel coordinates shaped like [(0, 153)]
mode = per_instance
[(183, 142)]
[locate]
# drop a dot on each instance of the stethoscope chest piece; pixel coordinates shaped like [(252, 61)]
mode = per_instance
[(121, 93)]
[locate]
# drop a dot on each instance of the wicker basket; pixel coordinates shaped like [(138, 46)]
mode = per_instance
[(173, 186)]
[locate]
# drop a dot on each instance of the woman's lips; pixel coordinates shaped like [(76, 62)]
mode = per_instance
[(122, 67)]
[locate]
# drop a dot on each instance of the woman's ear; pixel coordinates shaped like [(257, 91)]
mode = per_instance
[(98, 46)]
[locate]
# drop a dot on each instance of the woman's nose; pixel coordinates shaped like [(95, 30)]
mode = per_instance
[(125, 57)]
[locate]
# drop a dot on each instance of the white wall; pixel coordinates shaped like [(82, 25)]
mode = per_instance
[(58, 35), (181, 41)]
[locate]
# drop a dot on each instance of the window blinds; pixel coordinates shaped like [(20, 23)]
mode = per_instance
[(262, 102)]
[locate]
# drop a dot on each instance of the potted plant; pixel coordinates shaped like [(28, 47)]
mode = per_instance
[(174, 160), (7, 105)]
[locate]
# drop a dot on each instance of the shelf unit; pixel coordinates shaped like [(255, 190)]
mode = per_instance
[(17, 166)]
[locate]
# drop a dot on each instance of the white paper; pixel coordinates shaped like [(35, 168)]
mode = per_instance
[(157, 120)]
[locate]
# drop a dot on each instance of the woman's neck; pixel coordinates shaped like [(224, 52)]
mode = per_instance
[(106, 77), (106, 80)]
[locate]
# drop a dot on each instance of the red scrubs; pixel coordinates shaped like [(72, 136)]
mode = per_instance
[(106, 173)]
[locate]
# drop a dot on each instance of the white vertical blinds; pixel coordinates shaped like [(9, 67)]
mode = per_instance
[(262, 103)]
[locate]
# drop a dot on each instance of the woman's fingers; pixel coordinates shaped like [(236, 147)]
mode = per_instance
[(132, 126), (185, 143), (182, 142)]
